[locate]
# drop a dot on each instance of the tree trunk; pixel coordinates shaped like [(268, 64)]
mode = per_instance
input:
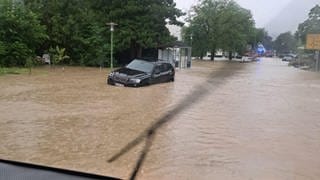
[(201, 55), (230, 55), (132, 50), (139, 51), (135, 50), (213, 53)]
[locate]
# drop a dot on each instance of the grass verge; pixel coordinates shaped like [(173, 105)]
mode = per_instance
[(13, 70)]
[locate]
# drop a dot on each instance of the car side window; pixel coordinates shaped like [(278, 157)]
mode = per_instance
[(157, 69), (163, 68), (168, 67)]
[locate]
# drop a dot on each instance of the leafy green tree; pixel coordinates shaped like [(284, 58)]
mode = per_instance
[(77, 25), (58, 55), (285, 43), (20, 33), (260, 35), (311, 25), (80, 26), (237, 26), (267, 42), (29, 64), (209, 14), (142, 24), (221, 24), (196, 37)]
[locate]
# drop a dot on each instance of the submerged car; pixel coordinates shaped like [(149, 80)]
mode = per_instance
[(141, 72)]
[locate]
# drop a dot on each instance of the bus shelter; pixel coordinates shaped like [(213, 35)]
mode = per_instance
[(177, 53)]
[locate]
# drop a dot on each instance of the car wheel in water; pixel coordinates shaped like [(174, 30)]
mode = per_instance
[(146, 82)]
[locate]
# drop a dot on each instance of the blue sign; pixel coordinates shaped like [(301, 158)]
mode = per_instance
[(260, 49)]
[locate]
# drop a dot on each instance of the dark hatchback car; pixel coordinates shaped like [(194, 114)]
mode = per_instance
[(141, 72)]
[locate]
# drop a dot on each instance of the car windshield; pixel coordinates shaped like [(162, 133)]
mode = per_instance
[(169, 89), (141, 65)]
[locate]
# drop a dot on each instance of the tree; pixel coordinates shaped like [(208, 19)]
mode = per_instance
[(260, 35), (58, 55), (77, 25), (311, 25), (267, 42), (80, 26), (196, 36), (208, 17), (20, 33), (285, 43), (142, 24), (237, 27), (29, 64), (221, 24)]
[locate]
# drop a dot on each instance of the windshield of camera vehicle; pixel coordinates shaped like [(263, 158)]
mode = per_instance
[(141, 65), (242, 101)]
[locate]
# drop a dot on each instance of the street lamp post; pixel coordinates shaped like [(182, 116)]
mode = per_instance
[(190, 53), (111, 24)]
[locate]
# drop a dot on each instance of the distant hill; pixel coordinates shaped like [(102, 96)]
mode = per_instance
[(290, 17)]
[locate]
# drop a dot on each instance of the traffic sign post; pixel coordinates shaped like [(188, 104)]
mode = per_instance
[(313, 43)]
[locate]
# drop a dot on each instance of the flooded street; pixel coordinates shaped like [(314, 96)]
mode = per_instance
[(255, 120)]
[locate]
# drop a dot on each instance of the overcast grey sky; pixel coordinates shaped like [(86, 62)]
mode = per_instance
[(276, 16), (263, 11)]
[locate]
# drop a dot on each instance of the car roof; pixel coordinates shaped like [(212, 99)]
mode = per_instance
[(153, 60)]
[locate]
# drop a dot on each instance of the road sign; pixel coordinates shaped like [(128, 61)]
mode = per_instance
[(313, 42)]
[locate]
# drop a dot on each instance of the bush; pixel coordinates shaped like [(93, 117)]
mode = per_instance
[(21, 36)]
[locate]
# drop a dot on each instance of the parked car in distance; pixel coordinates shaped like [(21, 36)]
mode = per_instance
[(140, 72), (246, 58), (289, 57), (269, 53)]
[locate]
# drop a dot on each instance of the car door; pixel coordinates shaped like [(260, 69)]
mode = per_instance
[(169, 72), (165, 72), (156, 75)]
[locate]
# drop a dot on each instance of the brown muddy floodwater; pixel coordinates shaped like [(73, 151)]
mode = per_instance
[(256, 120)]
